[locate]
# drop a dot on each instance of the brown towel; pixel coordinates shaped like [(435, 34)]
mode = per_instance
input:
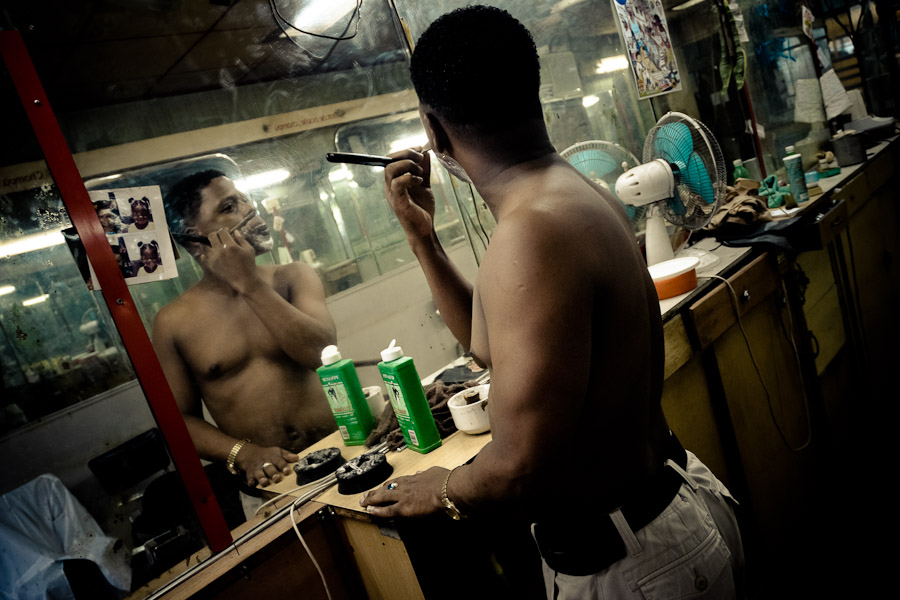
[(387, 429), (741, 209)]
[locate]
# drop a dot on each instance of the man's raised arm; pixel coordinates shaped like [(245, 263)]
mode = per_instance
[(301, 324), (408, 189)]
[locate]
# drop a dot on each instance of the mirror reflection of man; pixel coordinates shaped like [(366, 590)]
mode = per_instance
[(246, 339)]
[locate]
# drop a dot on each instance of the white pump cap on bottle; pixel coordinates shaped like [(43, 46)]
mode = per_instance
[(392, 352), (330, 355)]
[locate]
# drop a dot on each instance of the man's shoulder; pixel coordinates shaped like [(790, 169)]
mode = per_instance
[(182, 308), (289, 272)]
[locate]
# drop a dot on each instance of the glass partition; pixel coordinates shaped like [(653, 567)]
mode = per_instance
[(147, 93), (77, 432)]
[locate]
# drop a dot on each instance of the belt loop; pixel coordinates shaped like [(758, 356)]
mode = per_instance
[(687, 478), (624, 529)]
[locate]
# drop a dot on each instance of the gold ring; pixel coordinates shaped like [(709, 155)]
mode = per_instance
[(266, 464)]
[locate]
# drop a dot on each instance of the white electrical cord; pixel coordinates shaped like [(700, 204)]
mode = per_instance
[(737, 312), (325, 483), (309, 552)]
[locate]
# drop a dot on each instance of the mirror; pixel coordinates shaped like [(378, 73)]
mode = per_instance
[(151, 91)]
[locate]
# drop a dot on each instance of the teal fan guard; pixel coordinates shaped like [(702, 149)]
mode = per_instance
[(697, 164), (602, 162)]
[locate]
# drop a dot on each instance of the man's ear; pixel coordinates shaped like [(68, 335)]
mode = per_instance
[(437, 131)]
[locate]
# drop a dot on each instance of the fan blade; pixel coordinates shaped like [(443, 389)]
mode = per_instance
[(594, 163), (673, 142), (697, 177)]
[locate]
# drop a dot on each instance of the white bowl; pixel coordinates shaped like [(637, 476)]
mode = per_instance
[(471, 418), (375, 400)]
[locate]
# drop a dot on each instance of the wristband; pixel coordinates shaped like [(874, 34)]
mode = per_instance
[(232, 456)]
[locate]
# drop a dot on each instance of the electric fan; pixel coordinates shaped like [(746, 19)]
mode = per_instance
[(603, 162), (682, 180)]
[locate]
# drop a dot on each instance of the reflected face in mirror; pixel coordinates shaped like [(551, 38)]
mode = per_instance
[(223, 206)]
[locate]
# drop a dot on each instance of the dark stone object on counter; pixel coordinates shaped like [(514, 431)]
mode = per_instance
[(362, 473), (318, 464)]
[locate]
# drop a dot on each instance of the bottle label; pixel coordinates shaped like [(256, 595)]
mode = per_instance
[(397, 400), (344, 433), (337, 397), (412, 437)]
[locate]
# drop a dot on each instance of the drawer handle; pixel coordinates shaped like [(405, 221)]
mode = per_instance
[(745, 297), (837, 222)]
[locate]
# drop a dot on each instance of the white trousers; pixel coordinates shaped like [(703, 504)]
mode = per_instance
[(691, 550)]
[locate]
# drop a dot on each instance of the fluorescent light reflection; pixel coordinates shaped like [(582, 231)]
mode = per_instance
[(688, 4), (30, 243), (7, 289), (35, 300), (261, 180), (611, 64), (589, 101), (340, 174), (408, 142)]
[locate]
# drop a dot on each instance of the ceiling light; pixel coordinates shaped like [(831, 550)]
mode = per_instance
[(35, 300), (688, 4), (30, 243), (321, 13), (611, 64), (408, 142), (7, 289), (261, 180), (589, 101)]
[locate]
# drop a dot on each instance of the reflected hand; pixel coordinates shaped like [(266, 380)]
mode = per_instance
[(407, 186), (416, 496), (230, 258), (264, 465)]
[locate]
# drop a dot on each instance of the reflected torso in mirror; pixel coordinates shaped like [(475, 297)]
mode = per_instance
[(246, 339)]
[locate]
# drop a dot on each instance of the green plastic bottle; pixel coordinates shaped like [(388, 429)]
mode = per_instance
[(346, 397), (408, 399), (740, 170)]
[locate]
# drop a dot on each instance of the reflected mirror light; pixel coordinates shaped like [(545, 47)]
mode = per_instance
[(30, 243), (261, 180), (688, 4), (340, 174), (323, 14), (35, 300), (611, 64), (408, 142)]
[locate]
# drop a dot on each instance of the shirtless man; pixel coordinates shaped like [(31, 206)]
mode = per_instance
[(565, 315), (246, 339)]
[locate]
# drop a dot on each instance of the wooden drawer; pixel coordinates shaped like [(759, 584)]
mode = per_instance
[(713, 314), (855, 192)]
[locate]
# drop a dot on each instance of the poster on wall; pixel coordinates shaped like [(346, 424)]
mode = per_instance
[(646, 34), (134, 222)]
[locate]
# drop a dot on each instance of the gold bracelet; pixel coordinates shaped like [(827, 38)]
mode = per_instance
[(232, 456), (449, 507)]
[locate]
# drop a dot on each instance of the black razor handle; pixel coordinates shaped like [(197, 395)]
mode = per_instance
[(352, 158)]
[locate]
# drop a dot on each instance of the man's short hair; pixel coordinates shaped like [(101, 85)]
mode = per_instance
[(478, 68), (183, 200)]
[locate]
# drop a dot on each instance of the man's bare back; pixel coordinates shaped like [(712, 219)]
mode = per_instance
[(560, 227)]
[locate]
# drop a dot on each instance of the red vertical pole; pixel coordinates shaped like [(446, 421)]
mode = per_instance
[(115, 291)]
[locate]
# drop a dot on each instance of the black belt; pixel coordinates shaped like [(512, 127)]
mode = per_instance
[(583, 548)]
